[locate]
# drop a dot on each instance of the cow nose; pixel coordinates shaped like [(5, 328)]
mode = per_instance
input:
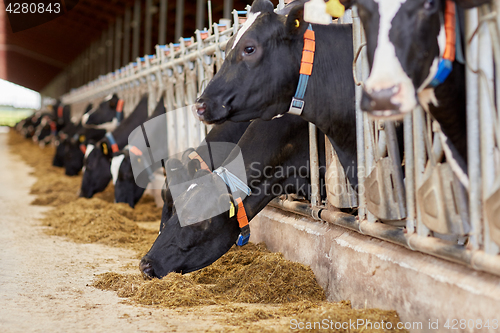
[(146, 269), (200, 108), (380, 99)]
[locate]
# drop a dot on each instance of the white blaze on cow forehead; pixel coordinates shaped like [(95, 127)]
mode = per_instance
[(90, 147), (116, 162), (248, 23), (387, 72)]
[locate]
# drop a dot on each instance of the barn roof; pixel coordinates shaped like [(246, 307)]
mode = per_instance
[(36, 56)]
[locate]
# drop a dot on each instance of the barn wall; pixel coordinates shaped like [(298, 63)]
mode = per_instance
[(373, 273)]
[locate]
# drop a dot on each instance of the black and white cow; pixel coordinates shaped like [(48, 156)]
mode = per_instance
[(65, 134), (107, 115), (126, 188), (275, 155), (405, 41), (260, 75), (97, 161)]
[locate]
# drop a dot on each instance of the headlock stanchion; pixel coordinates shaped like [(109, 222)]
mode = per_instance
[(463, 224)]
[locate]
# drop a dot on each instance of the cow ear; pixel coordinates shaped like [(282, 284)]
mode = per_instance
[(263, 6), (113, 101), (466, 4), (295, 23), (347, 3)]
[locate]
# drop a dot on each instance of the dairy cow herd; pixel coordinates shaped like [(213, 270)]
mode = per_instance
[(279, 73)]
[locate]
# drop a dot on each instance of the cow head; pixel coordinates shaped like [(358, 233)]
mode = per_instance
[(73, 156), (58, 160), (96, 174), (103, 116), (264, 53), (126, 189), (405, 39), (192, 247)]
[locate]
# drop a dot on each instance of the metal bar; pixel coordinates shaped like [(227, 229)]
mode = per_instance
[(137, 29), (179, 19), (409, 174), (162, 31), (475, 259), (228, 7), (118, 43), (393, 151), (82, 96), (420, 160), (487, 140), (314, 165), (126, 36), (473, 142), (356, 32), (148, 27)]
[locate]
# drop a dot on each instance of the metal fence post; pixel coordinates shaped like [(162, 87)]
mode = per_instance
[(360, 139), (473, 143)]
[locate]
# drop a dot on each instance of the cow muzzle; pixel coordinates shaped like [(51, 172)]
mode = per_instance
[(147, 269), (380, 103), (200, 108)]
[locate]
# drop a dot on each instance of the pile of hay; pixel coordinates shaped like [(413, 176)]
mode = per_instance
[(250, 274), (249, 285)]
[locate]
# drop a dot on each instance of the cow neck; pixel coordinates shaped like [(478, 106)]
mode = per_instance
[(234, 184), (306, 66), (112, 142), (119, 110), (446, 62), (138, 157)]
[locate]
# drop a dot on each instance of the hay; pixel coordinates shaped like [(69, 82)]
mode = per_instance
[(249, 284), (250, 274), (342, 312), (97, 221)]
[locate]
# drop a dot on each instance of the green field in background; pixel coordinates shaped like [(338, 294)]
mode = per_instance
[(9, 116)]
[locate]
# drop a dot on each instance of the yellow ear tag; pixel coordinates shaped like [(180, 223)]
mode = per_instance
[(82, 138), (231, 210), (105, 149), (297, 23), (335, 8)]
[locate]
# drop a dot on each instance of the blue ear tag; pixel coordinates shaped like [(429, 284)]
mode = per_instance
[(242, 240)]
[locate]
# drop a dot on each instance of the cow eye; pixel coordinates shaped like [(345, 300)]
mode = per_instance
[(429, 4), (249, 50)]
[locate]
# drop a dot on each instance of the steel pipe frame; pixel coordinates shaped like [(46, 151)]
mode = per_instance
[(476, 259), (414, 125), (105, 84)]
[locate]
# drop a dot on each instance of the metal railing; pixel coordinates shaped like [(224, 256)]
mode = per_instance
[(464, 226)]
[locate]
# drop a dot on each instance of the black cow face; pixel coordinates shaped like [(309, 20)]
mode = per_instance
[(126, 189), (97, 174), (73, 157), (404, 41), (104, 113), (189, 248), (259, 55), (58, 160)]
